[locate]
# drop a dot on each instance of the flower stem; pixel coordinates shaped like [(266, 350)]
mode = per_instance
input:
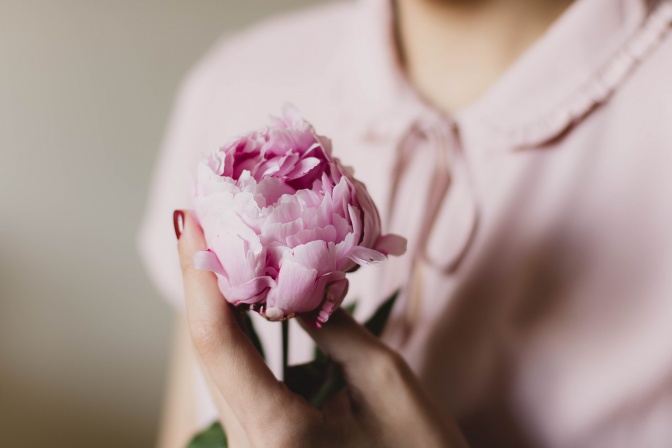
[(285, 347)]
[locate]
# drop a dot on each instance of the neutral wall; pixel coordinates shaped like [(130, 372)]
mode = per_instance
[(86, 87)]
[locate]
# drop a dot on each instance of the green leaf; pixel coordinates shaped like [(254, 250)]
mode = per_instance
[(351, 307), (376, 324), (315, 381), (306, 379), (252, 334), (213, 437), (334, 382)]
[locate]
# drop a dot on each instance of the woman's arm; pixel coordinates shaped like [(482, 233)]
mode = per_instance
[(178, 422)]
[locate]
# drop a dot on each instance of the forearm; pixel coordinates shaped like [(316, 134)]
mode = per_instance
[(178, 422)]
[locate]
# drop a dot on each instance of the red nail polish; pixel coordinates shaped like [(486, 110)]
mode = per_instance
[(178, 222)]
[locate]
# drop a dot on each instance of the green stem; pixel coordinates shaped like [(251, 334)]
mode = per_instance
[(285, 348)]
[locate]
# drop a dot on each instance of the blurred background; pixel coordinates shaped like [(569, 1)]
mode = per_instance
[(86, 88)]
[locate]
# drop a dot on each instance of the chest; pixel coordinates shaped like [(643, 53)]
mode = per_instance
[(563, 277)]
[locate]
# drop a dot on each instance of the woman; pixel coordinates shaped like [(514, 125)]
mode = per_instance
[(524, 148)]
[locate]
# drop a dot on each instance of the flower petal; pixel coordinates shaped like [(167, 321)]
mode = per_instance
[(363, 255), (318, 255), (336, 292), (295, 290), (280, 231), (327, 234), (207, 261), (241, 259), (391, 244), (343, 250), (274, 314), (272, 189), (251, 292), (302, 167)]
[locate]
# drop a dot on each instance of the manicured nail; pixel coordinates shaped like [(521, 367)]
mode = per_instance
[(178, 223)]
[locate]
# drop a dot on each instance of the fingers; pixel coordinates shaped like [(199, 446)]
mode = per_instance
[(231, 360), (342, 338), (235, 433), (350, 344), (378, 378), (381, 387)]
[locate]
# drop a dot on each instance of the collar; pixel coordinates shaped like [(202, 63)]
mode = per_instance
[(576, 65)]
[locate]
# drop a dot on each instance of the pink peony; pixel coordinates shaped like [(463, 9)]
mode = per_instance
[(284, 221)]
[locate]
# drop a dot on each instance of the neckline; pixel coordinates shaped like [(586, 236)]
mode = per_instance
[(578, 62)]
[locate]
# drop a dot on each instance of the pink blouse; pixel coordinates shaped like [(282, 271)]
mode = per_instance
[(537, 290)]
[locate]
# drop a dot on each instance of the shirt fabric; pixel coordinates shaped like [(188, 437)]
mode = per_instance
[(536, 302)]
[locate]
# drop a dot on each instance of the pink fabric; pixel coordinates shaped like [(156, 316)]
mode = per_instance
[(537, 293)]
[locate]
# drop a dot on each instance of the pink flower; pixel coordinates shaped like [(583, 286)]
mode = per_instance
[(284, 221)]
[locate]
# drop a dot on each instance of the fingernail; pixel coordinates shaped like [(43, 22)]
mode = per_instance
[(178, 223)]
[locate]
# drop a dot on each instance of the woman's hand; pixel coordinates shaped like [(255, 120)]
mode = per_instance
[(383, 404)]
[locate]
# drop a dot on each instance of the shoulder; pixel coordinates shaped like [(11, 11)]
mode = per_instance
[(639, 113), (291, 34), (646, 92), (288, 58)]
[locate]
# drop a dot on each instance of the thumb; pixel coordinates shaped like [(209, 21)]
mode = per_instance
[(351, 345)]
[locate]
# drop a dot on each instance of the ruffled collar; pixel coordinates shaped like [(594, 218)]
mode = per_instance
[(577, 64)]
